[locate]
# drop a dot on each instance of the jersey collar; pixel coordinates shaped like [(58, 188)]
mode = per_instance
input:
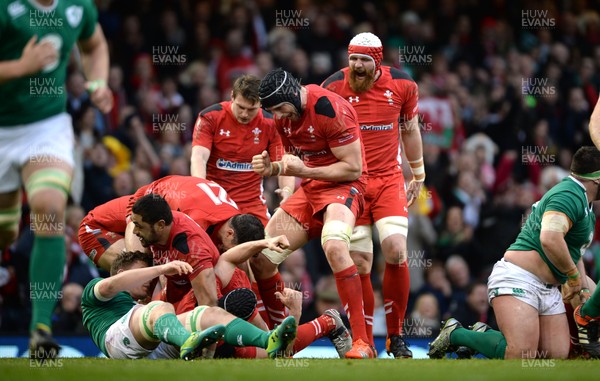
[(584, 191), (42, 8)]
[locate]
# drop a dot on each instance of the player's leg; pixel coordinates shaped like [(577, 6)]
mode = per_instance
[(157, 322), (361, 251), (519, 323), (10, 217), (338, 221), (47, 185), (576, 349), (264, 265), (490, 343), (554, 337), (241, 333), (389, 210), (396, 282)]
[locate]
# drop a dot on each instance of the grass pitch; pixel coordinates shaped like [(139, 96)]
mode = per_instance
[(297, 369)]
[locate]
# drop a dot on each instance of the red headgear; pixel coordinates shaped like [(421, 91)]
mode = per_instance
[(367, 44)]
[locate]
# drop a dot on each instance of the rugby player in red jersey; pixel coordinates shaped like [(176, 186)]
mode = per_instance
[(172, 235), (102, 232), (323, 128), (226, 137), (385, 100)]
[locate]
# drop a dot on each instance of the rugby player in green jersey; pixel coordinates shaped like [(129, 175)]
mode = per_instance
[(124, 329), (36, 134), (523, 287)]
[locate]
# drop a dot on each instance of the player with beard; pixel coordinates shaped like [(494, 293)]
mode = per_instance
[(523, 286), (322, 128), (385, 100)]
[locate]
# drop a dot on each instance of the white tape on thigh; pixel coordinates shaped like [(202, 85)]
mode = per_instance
[(336, 230), (392, 225), (362, 239), (274, 256)]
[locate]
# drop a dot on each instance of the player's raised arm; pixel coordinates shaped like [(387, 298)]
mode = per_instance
[(127, 280), (239, 254)]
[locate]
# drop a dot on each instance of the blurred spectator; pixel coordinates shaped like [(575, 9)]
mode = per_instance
[(98, 181), (68, 318), (437, 284), (455, 236), (425, 318), (234, 61), (475, 308)]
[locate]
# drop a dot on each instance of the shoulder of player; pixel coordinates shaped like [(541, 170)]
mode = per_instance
[(265, 114), (217, 107), (397, 74), (333, 78)]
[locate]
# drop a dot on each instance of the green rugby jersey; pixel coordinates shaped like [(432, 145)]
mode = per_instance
[(41, 95), (567, 197), (99, 315)]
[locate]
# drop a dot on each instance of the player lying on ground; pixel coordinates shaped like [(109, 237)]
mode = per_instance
[(523, 286), (124, 329)]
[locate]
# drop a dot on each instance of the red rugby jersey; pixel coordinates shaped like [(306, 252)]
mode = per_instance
[(392, 98), (328, 121), (232, 146), (206, 202)]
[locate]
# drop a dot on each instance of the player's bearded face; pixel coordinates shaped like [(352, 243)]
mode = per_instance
[(148, 236), (285, 111), (362, 74)]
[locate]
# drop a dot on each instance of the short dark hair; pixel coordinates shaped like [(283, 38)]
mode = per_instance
[(246, 86), (586, 160), (126, 259), (247, 227), (153, 208)]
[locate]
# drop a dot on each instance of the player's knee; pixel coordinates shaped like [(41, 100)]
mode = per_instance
[(395, 251), (336, 251), (150, 314), (362, 260), (48, 190), (160, 309), (521, 351)]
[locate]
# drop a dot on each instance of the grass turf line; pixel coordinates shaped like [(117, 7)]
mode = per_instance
[(296, 369)]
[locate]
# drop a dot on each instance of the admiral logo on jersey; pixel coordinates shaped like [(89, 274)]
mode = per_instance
[(228, 165), (386, 127)]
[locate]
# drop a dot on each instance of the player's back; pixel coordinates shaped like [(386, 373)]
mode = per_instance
[(206, 202), (392, 97), (111, 215)]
